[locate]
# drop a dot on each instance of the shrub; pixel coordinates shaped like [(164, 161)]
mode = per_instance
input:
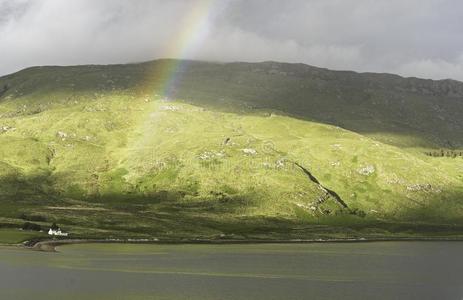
[(31, 226), (35, 218)]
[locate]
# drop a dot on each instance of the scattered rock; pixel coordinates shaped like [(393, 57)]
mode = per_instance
[(249, 151), (6, 128), (209, 155), (394, 179), (169, 108), (335, 163), (367, 170), (62, 135), (280, 163), (422, 187), (418, 187), (305, 206)]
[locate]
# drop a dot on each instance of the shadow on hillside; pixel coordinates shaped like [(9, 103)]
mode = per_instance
[(24, 194), (168, 214), (363, 103), (21, 188), (444, 208), (86, 80), (160, 214)]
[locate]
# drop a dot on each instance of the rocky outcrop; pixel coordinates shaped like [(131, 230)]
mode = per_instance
[(326, 191)]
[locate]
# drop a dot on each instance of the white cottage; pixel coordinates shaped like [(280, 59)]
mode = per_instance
[(57, 232)]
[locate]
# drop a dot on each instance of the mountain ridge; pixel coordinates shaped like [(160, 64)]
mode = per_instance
[(383, 103), (102, 151), (368, 73)]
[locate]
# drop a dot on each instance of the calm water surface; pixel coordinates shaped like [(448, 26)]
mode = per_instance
[(389, 270)]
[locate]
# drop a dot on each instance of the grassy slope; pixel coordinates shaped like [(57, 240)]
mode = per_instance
[(95, 152)]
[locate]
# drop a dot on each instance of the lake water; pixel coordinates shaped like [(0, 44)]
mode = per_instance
[(380, 270)]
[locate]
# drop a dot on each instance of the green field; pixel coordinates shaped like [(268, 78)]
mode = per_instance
[(228, 151), (15, 236)]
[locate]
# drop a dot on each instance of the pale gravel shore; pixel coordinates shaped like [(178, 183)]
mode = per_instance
[(51, 245)]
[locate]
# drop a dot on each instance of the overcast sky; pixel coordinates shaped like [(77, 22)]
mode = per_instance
[(422, 38)]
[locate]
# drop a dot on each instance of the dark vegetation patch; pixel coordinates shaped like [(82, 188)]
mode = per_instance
[(445, 153), (31, 226)]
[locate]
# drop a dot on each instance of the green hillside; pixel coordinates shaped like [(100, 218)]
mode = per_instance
[(239, 150)]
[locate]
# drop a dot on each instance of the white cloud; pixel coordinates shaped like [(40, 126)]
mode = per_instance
[(248, 46), (433, 68), (411, 37)]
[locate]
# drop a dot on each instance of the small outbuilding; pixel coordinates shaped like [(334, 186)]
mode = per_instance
[(57, 232)]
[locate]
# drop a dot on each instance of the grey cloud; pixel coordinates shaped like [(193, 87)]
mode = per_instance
[(420, 38)]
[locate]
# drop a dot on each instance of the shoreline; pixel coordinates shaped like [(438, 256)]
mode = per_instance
[(51, 245)]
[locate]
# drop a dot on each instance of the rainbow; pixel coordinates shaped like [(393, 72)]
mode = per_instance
[(161, 78), (194, 28)]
